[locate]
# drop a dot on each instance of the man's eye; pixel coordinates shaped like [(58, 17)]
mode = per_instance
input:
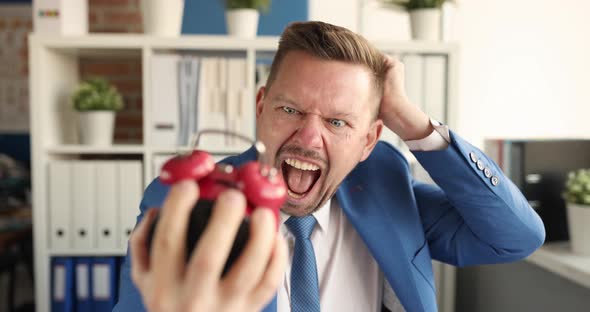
[(290, 110), (337, 123)]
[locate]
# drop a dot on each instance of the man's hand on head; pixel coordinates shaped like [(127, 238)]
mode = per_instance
[(167, 283), (396, 110)]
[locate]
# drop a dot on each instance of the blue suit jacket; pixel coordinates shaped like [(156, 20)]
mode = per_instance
[(463, 220)]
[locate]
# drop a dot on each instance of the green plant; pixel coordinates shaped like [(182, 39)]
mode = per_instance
[(416, 4), (260, 5), (577, 187), (97, 94)]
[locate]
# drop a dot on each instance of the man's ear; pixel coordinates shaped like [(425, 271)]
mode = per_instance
[(372, 138), (259, 99)]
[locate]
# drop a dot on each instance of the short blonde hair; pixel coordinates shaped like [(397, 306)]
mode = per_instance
[(330, 42)]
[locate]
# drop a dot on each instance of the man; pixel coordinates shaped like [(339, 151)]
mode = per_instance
[(371, 231)]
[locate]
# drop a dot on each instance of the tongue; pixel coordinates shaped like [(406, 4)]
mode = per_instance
[(300, 181)]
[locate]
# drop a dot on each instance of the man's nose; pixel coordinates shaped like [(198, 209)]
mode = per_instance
[(309, 133)]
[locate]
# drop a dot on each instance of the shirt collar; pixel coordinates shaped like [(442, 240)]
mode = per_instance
[(321, 215)]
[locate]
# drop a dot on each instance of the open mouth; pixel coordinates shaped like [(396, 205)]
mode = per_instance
[(300, 176)]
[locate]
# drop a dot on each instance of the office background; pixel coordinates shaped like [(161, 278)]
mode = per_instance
[(523, 64), (523, 73)]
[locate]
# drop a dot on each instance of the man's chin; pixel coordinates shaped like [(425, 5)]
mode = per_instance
[(299, 209)]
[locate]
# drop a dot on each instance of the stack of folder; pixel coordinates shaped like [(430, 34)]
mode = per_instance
[(84, 284), (93, 205), (191, 93)]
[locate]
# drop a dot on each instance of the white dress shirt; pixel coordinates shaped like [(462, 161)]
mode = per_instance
[(348, 275)]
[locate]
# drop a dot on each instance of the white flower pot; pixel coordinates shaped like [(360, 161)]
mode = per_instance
[(162, 17), (96, 127), (425, 24), (242, 23), (578, 218)]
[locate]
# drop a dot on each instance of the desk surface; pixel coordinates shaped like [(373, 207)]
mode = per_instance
[(558, 258)]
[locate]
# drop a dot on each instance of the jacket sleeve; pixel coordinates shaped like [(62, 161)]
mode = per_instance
[(129, 298), (470, 218)]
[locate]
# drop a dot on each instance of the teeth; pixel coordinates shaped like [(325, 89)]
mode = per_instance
[(302, 165)]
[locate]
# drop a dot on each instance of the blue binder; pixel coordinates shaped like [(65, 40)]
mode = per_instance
[(104, 283), (83, 284), (62, 284)]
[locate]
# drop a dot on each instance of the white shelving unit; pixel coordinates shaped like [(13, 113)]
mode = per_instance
[(54, 74)]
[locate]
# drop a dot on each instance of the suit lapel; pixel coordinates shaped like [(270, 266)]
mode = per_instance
[(381, 226)]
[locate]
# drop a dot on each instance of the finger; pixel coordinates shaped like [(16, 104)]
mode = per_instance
[(390, 60), (212, 250), (274, 274), (140, 260), (168, 248), (251, 264)]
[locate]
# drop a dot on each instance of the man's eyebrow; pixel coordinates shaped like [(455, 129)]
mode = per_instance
[(344, 115), (282, 98), (337, 115)]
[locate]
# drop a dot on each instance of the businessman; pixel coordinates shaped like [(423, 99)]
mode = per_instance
[(357, 231)]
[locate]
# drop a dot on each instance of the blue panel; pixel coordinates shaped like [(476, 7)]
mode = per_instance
[(208, 16), (203, 17)]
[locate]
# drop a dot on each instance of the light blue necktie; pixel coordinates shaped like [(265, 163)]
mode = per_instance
[(305, 290)]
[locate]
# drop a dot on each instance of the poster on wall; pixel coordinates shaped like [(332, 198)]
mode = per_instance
[(15, 24)]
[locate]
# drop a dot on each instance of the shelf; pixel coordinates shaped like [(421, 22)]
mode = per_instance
[(213, 42), (186, 149), (133, 149), (82, 149), (419, 47), (93, 41), (86, 253), (210, 42), (138, 41), (558, 258)]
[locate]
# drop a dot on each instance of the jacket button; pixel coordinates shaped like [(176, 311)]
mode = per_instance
[(487, 172), (473, 157), (495, 180), (480, 165)]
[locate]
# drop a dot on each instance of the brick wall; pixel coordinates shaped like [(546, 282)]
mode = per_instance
[(114, 16), (119, 16), (110, 16), (15, 24)]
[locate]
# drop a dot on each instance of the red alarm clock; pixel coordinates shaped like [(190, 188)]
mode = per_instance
[(261, 184)]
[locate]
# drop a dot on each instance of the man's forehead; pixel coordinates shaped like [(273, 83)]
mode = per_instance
[(338, 88)]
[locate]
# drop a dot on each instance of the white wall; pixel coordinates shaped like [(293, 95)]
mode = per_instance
[(524, 68), (337, 12), (524, 64), (375, 22), (382, 23)]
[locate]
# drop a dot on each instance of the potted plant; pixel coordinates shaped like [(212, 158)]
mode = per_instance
[(242, 16), (96, 100), (162, 17), (577, 197), (425, 17)]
